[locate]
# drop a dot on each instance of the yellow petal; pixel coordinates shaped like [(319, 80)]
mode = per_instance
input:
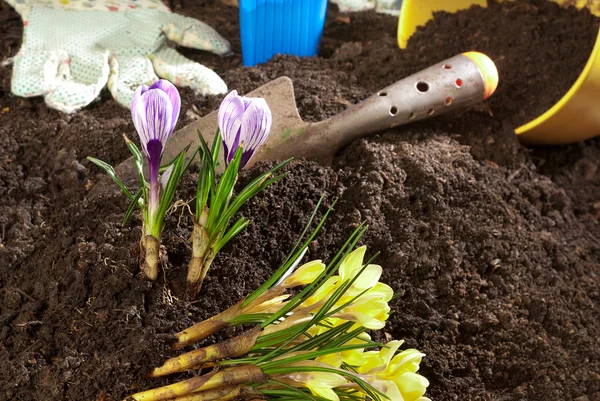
[(386, 353), (322, 292), (352, 263), (382, 316), (373, 363), (353, 357), (372, 307), (406, 361), (368, 322), (411, 385), (333, 360), (381, 290), (324, 392), (305, 274), (368, 278), (371, 315), (389, 388), (327, 379), (322, 383)]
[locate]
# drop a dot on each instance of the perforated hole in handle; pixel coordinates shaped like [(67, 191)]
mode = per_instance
[(422, 86)]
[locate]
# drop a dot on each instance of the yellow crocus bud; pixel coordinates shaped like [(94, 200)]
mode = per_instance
[(370, 313), (305, 274), (412, 386)]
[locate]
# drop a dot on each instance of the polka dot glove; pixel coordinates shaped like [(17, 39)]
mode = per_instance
[(383, 6), (71, 49)]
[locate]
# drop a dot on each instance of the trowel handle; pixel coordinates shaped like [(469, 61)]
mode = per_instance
[(455, 83)]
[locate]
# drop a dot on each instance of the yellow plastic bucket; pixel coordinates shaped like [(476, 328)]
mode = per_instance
[(573, 118)]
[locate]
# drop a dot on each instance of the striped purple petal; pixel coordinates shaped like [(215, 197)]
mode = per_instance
[(136, 97), (152, 117), (230, 119), (256, 127), (171, 91), (256, 123)]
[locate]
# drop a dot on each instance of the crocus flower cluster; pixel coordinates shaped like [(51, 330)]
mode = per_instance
[(154, 111), (244, 124), (312, 344)]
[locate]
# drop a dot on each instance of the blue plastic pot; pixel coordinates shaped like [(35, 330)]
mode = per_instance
[(270, 27)]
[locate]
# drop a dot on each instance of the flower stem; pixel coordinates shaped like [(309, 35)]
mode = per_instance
[(214, 380), (233, 347)]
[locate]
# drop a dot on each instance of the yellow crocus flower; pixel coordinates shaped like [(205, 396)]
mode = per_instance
[(383, 367), (371, 309), (349, 268)]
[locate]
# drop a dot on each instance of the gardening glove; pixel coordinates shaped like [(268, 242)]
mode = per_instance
[(71, 49), (382, 6)]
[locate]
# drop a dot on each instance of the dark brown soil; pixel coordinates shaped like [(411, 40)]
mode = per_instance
[(495, 246)]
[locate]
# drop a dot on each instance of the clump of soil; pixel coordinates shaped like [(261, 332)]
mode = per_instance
[(494, 246)]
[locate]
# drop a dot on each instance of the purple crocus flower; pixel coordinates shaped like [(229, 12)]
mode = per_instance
[(155, 110), (244, 121)]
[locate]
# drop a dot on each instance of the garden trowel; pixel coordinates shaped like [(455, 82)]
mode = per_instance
[(455, 83)]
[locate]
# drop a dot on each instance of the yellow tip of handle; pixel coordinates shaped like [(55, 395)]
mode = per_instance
[(488, 71)]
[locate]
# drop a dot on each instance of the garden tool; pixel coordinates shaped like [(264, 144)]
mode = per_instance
[(72, 49), (573, 118), (453, 84)]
